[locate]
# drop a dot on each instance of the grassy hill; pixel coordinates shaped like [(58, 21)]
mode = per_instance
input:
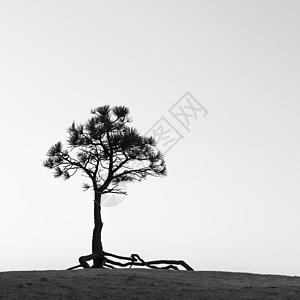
[(145, 284)]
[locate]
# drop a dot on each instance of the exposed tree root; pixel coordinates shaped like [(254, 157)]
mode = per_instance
[(133, 260)]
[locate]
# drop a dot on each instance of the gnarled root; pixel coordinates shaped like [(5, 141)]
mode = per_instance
[(83, 260), (133, 260)]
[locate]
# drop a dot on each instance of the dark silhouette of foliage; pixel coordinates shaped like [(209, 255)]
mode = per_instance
[(106, 143)]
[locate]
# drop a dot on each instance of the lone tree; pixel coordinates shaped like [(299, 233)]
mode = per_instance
[(107, 151)]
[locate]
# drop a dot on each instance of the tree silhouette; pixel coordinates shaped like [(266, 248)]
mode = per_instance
[(107, 151)]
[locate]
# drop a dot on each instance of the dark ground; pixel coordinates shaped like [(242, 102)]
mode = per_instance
[(145, 284)]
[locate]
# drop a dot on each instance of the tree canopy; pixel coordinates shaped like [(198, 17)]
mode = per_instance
[(107, 150)]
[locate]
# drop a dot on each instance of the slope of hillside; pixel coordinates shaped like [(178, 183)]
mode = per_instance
[(145, 284)]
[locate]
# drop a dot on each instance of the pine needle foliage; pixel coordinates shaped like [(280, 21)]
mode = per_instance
[(107, 150)]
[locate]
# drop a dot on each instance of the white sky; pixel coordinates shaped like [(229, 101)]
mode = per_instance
[(230, 201)]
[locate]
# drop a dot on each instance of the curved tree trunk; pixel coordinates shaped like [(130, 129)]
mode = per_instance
[(97, 241)]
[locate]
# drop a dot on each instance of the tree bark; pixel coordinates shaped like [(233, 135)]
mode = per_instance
[(97, 240)]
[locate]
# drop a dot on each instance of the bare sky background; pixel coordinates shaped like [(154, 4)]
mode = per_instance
[(230, 201)]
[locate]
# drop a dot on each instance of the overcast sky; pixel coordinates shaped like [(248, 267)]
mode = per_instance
[(230, 201)]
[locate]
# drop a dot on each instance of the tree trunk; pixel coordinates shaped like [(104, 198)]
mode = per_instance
[(97, 242)]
